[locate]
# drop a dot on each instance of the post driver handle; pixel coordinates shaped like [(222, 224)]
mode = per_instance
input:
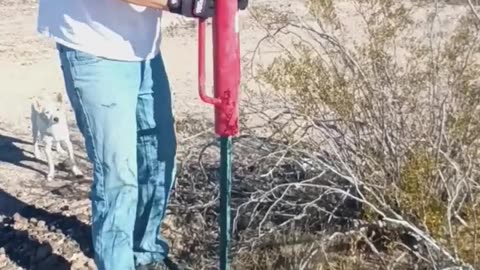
[(201, 65)]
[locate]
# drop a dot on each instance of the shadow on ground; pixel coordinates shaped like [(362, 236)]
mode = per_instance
[(11, 153), (11, 239), (26, 252)]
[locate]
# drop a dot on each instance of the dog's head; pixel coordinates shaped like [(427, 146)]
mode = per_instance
[(50, 109)]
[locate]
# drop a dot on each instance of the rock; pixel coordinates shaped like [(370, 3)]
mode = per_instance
[(83, 217), (91, 264), (3, 262), (41, 224), (78, 265), (17, 217), (33, 221)]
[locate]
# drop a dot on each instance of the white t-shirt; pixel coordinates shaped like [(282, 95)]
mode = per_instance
[(112, 29)]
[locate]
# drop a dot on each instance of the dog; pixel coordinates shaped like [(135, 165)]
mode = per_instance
[(49, 125)]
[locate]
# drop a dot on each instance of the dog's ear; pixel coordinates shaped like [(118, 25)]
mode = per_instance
[(60, 97), (37, 105)]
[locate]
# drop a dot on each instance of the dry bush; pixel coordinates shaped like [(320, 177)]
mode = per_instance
[(375, 106)]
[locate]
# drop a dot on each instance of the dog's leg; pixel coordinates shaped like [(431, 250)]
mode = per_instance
[(36, 150), (49, 155), (59, 148), (75, 170)]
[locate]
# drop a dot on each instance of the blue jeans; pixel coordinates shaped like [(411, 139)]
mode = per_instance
[(124, 112)]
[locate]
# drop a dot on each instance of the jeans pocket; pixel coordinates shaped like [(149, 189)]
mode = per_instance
[(83, 58), (77, 57)]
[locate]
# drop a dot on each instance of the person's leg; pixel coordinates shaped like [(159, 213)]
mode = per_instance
[(156, 161), (103, 94)]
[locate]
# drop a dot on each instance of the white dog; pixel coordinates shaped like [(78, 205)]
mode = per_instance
[(49, 124)]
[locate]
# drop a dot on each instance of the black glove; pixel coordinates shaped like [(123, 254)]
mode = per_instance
[(242, 4), (198, 8)]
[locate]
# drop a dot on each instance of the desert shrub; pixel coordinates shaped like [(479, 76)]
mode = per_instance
[(383, 95)]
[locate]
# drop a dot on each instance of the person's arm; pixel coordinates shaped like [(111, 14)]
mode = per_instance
[(157, 4), (188, 8)]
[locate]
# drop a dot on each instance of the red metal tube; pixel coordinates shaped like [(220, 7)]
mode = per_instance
[(226, 59)]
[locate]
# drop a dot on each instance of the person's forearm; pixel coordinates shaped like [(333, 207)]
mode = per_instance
[(158, 4)]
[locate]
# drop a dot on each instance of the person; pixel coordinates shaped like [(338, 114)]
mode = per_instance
[(117, 85)]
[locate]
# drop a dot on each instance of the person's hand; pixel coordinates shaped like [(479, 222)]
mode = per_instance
[(198, 8), (192, 8), (242, 4)]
